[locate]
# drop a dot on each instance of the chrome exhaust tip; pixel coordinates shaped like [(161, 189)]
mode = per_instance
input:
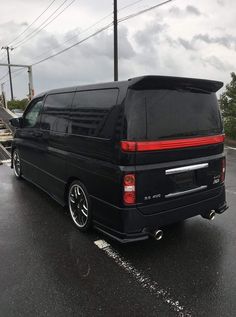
[(158, 234), (210, 215)]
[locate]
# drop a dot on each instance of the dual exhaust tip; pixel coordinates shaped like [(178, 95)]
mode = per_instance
[(158, 234), (209, 215)]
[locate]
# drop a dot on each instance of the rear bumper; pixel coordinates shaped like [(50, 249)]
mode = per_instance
[(129, 224)]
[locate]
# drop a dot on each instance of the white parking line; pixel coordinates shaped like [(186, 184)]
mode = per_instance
[(230, 191), (6, 161), (230, 147), (144, 281)]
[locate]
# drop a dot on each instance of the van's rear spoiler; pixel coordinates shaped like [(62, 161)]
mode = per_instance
[(168, 82)]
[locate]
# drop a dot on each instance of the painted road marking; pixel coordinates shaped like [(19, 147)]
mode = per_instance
[(144, 281), (230, 191), (230, 147), (6, 161)]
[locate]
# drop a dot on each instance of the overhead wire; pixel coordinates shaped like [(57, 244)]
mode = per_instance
[(75, 36), (43, 25), (4, 76), (88, 28), (35, 20), (129, 5), (75, 44), (144, 11), (101, 30), (13, 72)]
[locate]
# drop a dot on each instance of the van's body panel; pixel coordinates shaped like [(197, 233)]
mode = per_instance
[(81, 139)]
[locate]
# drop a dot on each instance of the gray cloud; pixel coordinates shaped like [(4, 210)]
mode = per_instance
[(227, 41), (221, 2), (218, 64), (150, 35), (175, 11), (186, 44), (189, 10), (192, 10)]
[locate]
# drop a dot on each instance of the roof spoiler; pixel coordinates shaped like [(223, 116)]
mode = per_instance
[(168, 82)]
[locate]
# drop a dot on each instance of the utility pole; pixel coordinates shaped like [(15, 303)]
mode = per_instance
[(3, 96), (31, 86), (7, 48), (115, 42)]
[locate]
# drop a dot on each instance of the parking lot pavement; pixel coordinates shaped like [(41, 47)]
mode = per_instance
[(48, 268)]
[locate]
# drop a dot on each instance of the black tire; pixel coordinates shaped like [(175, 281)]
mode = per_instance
[(16, 164), (79, 206)]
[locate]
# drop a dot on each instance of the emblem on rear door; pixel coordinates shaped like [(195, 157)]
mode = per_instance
[(156, 196)]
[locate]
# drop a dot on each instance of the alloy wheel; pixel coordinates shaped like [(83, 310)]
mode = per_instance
[(16, 164), (78, 205)]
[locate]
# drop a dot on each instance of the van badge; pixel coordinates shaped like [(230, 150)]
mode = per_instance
[(216, 179), (152, 197)]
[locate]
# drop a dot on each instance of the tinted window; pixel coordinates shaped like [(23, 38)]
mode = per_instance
[(56, 112), (94, 113), (32, 115), (157, 114)]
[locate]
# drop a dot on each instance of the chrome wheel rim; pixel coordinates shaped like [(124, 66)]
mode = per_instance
[(16, 164), (78, 205)]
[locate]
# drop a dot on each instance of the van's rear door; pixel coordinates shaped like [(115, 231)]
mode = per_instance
[(175, 131)]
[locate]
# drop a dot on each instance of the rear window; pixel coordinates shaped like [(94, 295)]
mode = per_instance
[(164, 114)]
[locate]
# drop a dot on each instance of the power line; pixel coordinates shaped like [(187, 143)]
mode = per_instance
[(43, 25), (19, 71), (129, 5), (40, 27), (144, 11), (75, 36), (4, 76), (19, 35), (51, 20), (88, 28), (75, 44), (101, 30)]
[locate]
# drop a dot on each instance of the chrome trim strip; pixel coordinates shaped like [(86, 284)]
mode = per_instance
[(186, 192), (186, 168)]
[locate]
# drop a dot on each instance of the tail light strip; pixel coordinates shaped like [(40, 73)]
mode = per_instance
[(141, 146)]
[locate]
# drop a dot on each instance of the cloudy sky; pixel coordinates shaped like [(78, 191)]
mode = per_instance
[(181, 38)]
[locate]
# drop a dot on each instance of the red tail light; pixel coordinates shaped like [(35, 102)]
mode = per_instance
[(140, 146), (129, 190), (223, 170)]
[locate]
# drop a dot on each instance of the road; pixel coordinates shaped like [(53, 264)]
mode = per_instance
[(48, 268)]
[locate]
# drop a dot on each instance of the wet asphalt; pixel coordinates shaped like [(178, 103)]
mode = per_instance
[(48, 268)]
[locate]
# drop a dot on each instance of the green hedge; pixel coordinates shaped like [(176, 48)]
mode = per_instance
[(228, 107), (17, 104)]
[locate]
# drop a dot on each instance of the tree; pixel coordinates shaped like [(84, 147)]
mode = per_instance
[(17, 104), (228, 106)]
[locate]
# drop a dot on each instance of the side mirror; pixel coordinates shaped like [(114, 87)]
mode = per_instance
[(16, 122)]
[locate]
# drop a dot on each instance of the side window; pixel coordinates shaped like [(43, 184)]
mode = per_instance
[(56, 112), (94, 113), (32, 115)]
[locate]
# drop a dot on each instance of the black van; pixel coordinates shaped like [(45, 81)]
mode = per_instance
[(127, 157)]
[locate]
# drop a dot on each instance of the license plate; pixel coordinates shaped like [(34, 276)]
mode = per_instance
[(184, 181)]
